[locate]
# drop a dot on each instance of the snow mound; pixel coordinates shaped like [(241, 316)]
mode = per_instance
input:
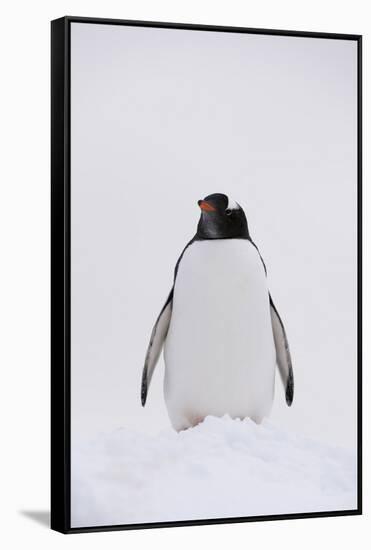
[(221, 468)]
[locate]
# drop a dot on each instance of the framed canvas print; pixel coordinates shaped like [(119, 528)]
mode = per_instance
[(206, 274)]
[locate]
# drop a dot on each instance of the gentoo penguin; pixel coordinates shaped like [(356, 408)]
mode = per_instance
[(221, 332)]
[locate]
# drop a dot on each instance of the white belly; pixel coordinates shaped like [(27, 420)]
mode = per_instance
[(219, 351)]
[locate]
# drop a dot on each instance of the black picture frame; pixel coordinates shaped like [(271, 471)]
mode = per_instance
[(61, 283)]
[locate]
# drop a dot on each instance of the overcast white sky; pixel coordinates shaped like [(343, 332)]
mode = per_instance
[(162, 117)]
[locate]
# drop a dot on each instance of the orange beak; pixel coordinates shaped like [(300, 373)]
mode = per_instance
[(206, 206)]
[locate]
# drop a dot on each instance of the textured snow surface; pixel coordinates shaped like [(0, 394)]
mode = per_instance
[(220, 468)]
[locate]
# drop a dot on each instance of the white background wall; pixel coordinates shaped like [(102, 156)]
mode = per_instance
[(24, 219)]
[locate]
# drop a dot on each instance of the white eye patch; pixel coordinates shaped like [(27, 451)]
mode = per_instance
[(232, 205)]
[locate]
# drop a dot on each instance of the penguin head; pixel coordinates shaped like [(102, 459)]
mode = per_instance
[(221, 218)]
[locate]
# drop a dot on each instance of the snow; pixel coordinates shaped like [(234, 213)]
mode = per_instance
[(221, 468)]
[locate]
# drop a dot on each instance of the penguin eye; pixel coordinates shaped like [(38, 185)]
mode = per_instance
[(228, 211)]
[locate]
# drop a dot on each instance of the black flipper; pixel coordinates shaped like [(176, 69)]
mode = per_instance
[(283, 355), (155, 345), (158, 335)]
